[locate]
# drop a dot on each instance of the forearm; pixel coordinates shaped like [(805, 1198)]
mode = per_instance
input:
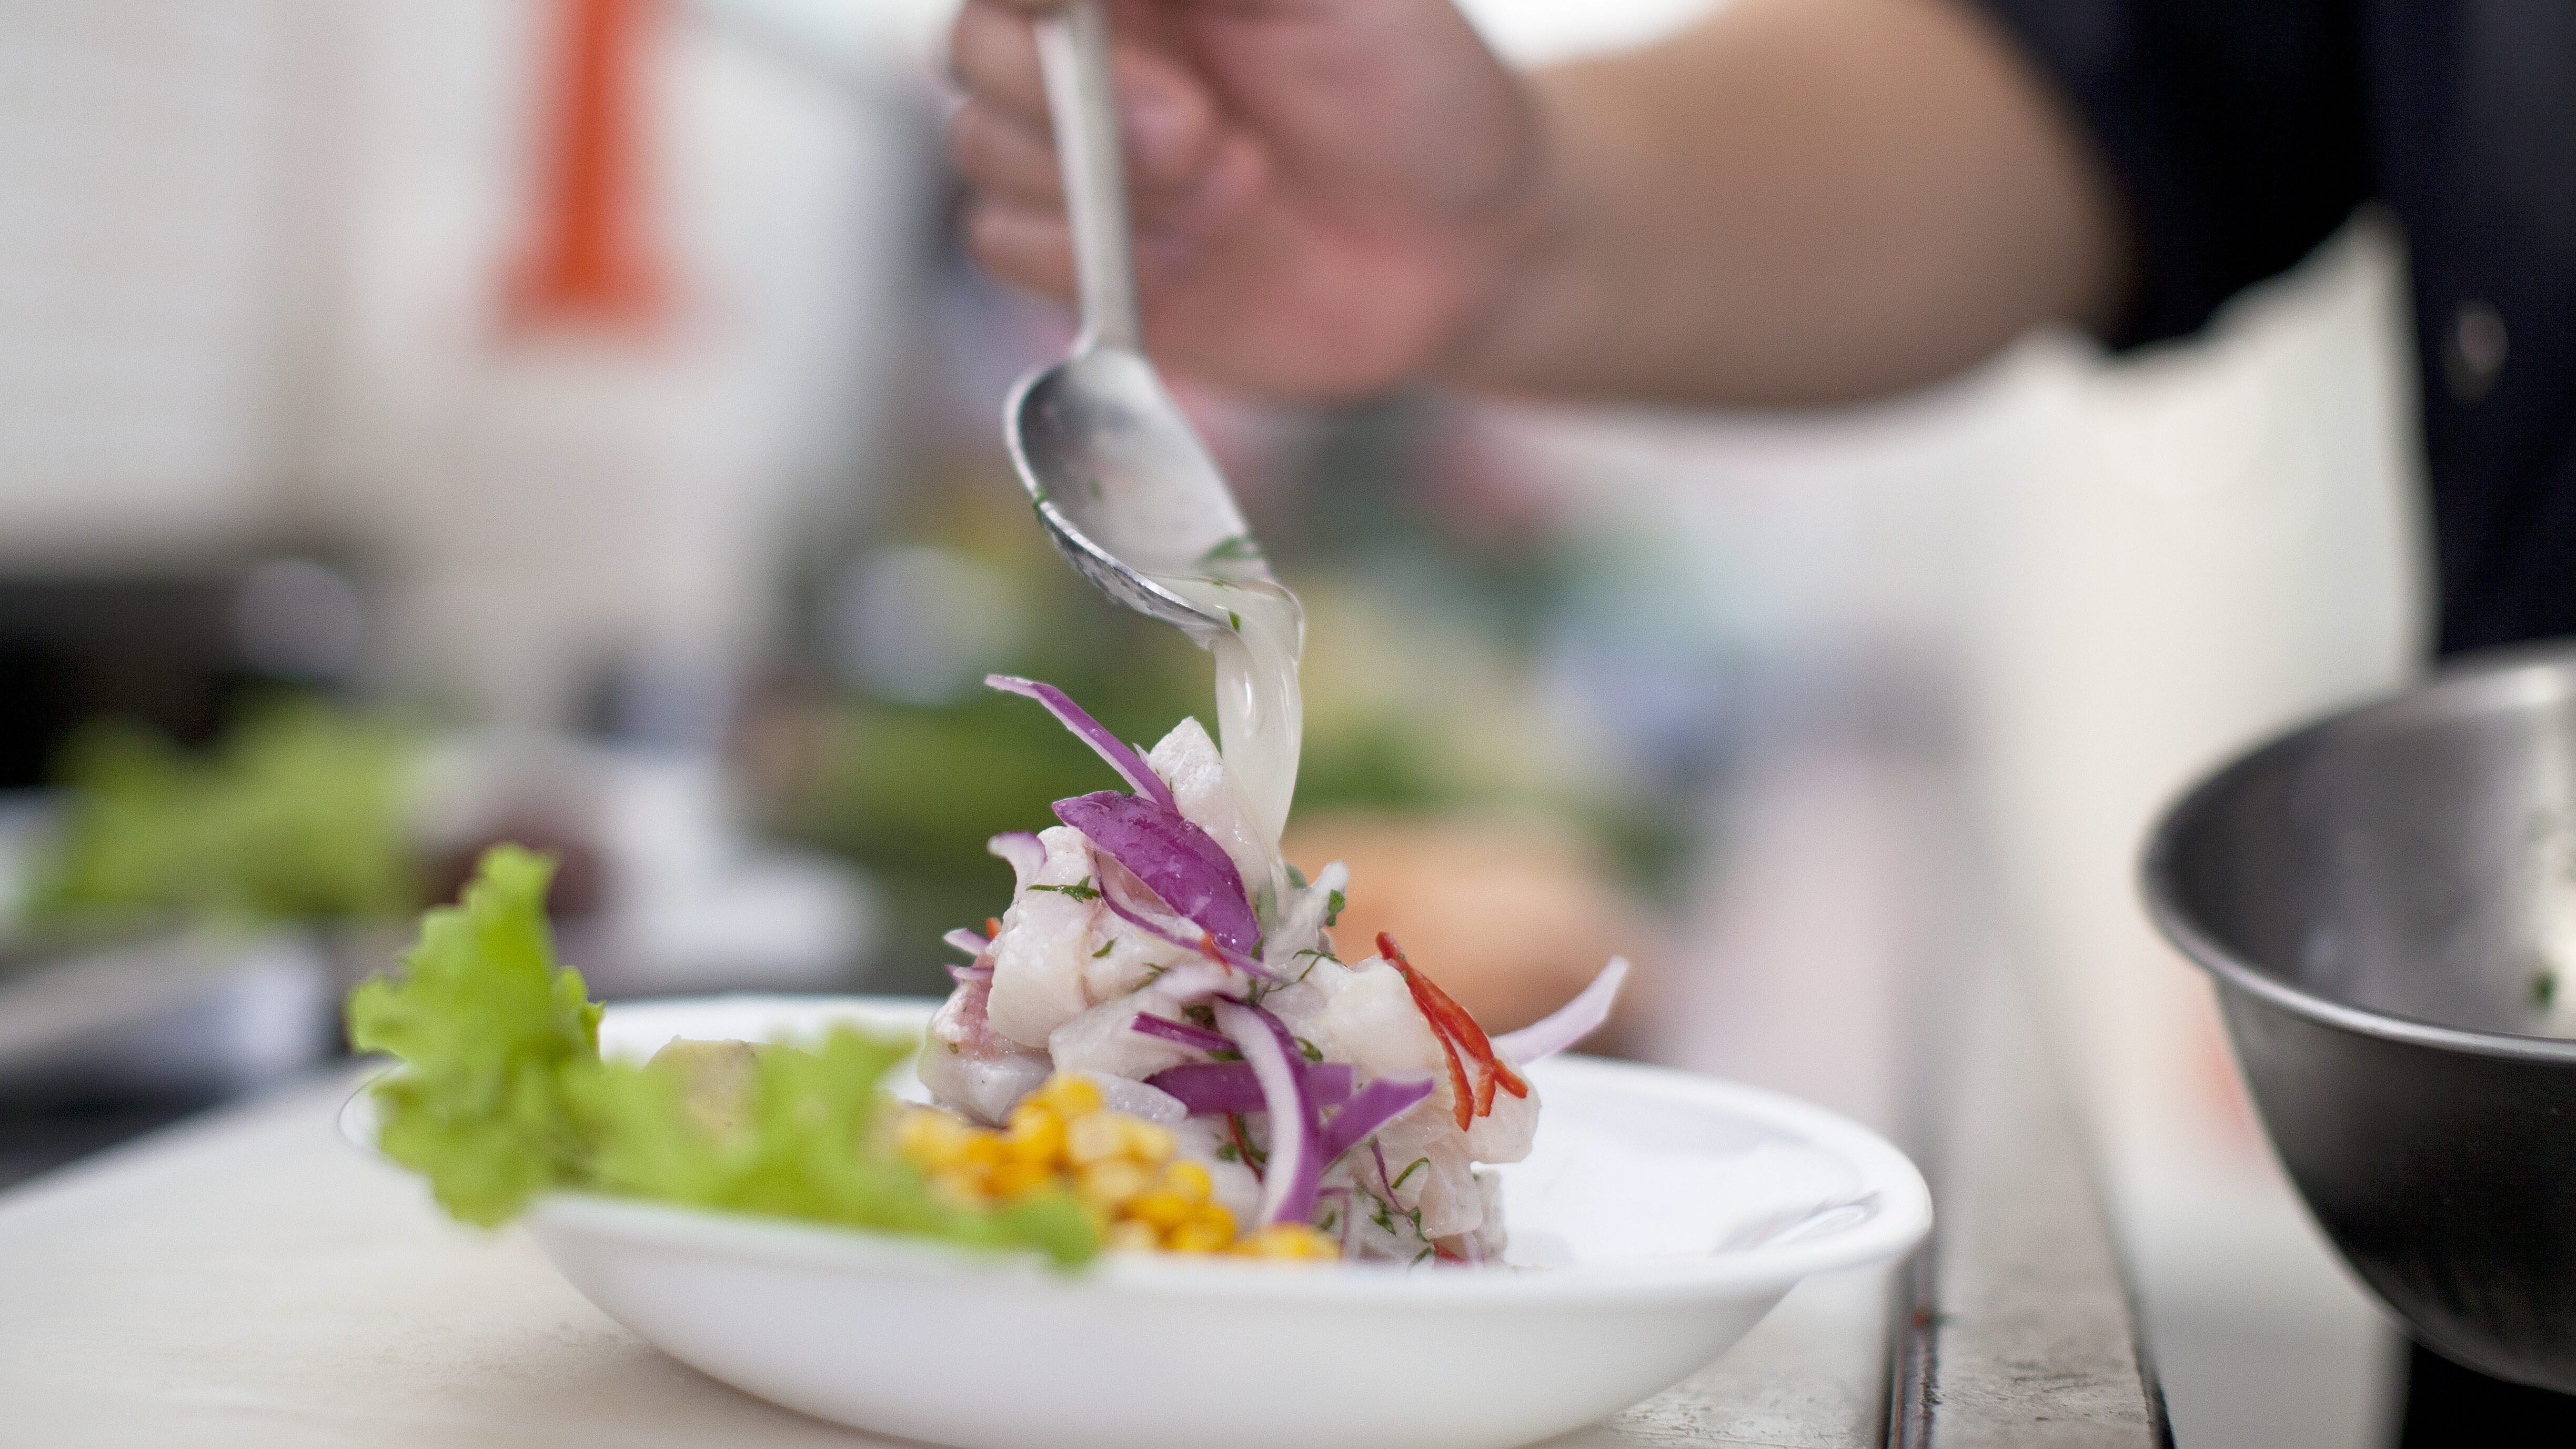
[(1797, 201)]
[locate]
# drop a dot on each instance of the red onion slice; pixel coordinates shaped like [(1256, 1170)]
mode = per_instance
[(963, 974), (1177, 861), (1021, 850), (1295, 1170), (1370, 1108), (970, 942), (1212, 1089), (1121, 756), (1569, 1023), (1182, 1032), (1207, 941)]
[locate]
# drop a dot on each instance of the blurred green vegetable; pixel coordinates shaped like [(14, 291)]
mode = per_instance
[(298, 814), (495, 1034), (505, 1096), (913, 792)]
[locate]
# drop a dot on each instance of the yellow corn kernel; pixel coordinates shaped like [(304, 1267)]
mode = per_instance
[(1214, 1218), (1150, 1143), (932, 1139), (1113, 1183), (1094, 1138), (1036, 1136), (1068, 1096), (1135, 1237), (1165, 1210), (1013, 1179), (981, 1152), (1288, 1240), (1188, 1181), (1195, 1237)]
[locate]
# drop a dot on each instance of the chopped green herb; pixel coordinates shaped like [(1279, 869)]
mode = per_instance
[(1105, 948), (1333, 908), (1086, 891), (1410, 1168), (1200, 1014), (1240, 546), (1037, 496), (1235, 619), (2544, 987), (1296, 877), (1309, 1050), (1225, 1152), (1251, 1154), (1418, 1257), (1225, 1054)]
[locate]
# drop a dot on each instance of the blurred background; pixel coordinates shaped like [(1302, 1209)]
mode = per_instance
[(573, 421)]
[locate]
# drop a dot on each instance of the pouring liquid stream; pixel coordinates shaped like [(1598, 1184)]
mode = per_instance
[(1260, 714)]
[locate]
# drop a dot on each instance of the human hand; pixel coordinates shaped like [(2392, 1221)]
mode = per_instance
[(1329, 196)]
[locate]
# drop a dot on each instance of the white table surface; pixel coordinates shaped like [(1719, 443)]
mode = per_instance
[(250, 1279)]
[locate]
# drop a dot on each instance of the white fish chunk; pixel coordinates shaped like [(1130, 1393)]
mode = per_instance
[(1045, 940)]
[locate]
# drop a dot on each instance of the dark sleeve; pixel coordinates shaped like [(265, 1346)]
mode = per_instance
[(2235, 130)]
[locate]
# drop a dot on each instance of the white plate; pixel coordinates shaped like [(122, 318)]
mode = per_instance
[(1662, 1215)]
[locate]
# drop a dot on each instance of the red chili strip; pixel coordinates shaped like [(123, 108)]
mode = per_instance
[(1472, 1038), (1453, 1028)]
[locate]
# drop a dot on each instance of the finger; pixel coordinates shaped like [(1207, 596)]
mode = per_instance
[(1167, 120), (1006, 160), (993, 53), (1032, 248), (1026, 246), (1166, 117), (1173, 139)]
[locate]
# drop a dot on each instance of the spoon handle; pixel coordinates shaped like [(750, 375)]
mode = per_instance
[(1082, 100)]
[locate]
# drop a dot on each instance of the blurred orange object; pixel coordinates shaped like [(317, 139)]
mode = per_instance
[(590, 263), (1510, 914)]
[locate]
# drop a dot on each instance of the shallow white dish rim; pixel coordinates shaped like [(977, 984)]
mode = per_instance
[(1898, 1210)]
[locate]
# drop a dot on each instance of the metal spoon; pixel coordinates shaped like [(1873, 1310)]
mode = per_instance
[(1120, 479)]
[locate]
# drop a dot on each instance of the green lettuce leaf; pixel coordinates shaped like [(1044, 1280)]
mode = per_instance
[(813, 1149), (495, 1034), (505, 1097)]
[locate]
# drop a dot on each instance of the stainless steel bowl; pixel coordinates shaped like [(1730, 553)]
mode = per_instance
[(2387, 900)]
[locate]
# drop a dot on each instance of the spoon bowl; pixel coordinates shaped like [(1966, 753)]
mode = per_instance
[(1123, 485)]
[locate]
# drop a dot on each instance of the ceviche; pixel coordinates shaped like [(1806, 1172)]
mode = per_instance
[(1156, 1045), (1158, 952)]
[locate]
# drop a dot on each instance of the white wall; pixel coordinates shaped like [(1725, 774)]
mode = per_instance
[(549, 503), (140, 272)]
